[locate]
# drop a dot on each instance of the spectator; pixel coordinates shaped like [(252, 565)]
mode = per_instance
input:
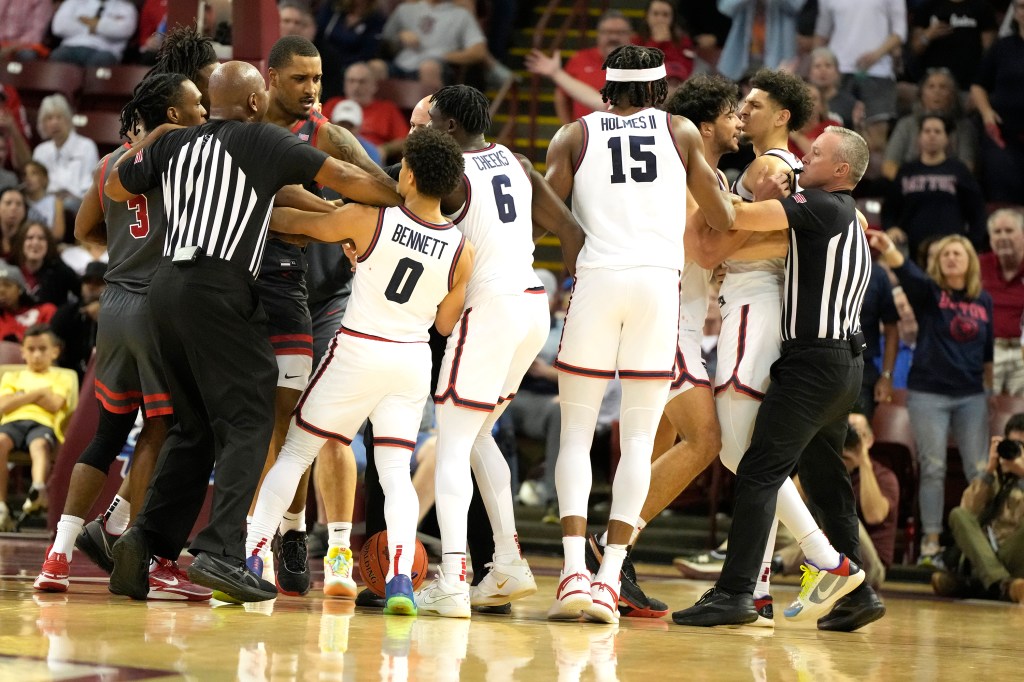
[(877, 491), (7, 178), (613, 30), (69, 157), (824, 75), (18, 310), (43, 206), (863, 36), (937, 95), (296, 19), (934, 195), (952, 370), (878, 320), (383, 122), (33, 402), (13, 214), (152, 27), (800, 140), (47, 278), (79, 255), (988, 527), (23, 25), (75, 321), (350, 29), (953, 34), (999, 98), (14, 130), (1002, 276), (763, 34), (660, 28), (349, 115), (93, 32)]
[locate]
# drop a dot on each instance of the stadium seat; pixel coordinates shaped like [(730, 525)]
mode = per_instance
[(894, 447), (102, 127), (36, 80), (108, 88)]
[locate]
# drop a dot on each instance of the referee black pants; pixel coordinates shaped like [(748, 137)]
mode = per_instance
[(221, 372), (802, 421)]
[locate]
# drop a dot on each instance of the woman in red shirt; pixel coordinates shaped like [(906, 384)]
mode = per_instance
[(661, 30)]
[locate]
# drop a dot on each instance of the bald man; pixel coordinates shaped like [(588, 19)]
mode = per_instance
[(220, 183)]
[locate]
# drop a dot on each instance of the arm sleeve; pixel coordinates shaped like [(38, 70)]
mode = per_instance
[(7, 384), (892, 205), (898, 19), (393, 26), (916, 285), (812, 210), (42, 12), (888, 484), (966, 141), (986, 75), (92, 160), (731, 8)]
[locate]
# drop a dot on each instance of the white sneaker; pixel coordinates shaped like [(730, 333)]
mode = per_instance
[(503, 583), (338, 580), (439, 598), (572, 597), (604, 603), (268, 568), (6, 524)]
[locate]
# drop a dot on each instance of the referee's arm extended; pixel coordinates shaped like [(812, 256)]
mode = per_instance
[(768, 215)]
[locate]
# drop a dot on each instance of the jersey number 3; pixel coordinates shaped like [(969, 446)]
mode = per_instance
[(648, 172), (140, 226)]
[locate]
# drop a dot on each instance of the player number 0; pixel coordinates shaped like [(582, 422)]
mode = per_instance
[(403, 281)]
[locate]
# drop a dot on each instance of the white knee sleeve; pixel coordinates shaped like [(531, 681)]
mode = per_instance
[(736, 414), (642, 405), (457, 430), (580, 399), (401, 506), (298, 452), (494, 478)]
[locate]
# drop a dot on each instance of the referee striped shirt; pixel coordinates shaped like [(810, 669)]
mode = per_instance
[(219, 181), (827, 269)]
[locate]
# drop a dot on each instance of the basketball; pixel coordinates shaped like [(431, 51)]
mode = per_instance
[(374, 563)]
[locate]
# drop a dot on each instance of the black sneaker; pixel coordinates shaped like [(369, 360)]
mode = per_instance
[(499, 610), (854, 611), (292, 562), (97, 543), (129, 575), (370, 600), (718, 607), (233, 579), (633, 602)]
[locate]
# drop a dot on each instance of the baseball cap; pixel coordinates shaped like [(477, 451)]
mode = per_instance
[(95, 271), (347, 111), (12, 274)]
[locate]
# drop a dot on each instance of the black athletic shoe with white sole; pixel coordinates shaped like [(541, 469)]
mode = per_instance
[(97, 544), (292, 561), (718, 607), (233, 579)]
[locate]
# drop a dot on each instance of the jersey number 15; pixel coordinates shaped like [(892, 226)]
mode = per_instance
[(648, 172)]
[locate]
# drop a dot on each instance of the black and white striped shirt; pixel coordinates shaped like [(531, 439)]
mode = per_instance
[(219, 181), (827, 269)]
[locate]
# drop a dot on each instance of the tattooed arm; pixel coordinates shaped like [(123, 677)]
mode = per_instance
[(343, 145)]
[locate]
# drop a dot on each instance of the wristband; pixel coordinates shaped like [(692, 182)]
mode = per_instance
[(886, 374)]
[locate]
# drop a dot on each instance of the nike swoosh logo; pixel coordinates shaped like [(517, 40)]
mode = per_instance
[(169, 582), (292, 376), (823, 592), (501, 585)]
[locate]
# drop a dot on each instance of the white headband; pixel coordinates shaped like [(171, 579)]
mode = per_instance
[(632, 75)]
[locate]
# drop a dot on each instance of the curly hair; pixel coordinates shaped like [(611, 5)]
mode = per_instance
[(788, 91), (149, 102), (466, 105), (704, 98), (435, 159), (184, 50), (636, 93)]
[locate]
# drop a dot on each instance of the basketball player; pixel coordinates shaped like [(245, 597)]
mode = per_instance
[(623, 168), (413, 270), (295, 72), (504, 327)]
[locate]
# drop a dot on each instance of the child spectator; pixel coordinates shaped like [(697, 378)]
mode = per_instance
[(18, 311), (33, 402)]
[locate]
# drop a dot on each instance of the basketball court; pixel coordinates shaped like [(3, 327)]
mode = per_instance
[(89, 634)]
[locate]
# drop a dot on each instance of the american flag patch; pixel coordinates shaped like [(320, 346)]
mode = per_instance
[(304, 137), (138, 157), (799, 198)]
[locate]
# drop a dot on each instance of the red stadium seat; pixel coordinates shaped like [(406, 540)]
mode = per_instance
[(894, 447), (36, 80), (102, 127), (108, 88)]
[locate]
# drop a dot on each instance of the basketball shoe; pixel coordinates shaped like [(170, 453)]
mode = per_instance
[(97, 544), (702, 566), (604, 603), (571, 597), (765, 612), (441, 598), (718, 607), (820, 589), (36, 501), (633, 601), (292, 563), (55, 573), (854, 611), (399, 599), (503, 583), (338, 580), (241, 582), (168, 582)]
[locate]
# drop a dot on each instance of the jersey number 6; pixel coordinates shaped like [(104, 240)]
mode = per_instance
[(506, 206), (649, 171), (140, 227)]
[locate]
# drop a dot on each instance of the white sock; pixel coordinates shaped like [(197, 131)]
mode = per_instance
[(453, 565), (819, 551), (603, 540), (762, 588), (339, 534), (115, 519), (293, 521), (506, 549), (68, 529), (611, 565), (572, 546)]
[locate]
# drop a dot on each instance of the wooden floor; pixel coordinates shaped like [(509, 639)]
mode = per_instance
[(88, 634)]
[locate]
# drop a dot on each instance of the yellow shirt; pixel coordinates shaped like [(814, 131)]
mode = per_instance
[(26, 380)]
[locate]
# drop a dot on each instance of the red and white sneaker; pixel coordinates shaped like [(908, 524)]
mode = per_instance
[(604, 603), (168, 582), (572, 597), (55, 573)]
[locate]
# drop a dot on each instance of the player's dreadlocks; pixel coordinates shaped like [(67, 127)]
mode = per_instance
[(184, 50), (465, 104), (636, 93), (149, 102)]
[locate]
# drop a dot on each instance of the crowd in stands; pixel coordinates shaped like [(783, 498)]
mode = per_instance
[(935, 86)]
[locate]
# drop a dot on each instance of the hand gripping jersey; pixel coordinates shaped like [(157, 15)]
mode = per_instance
[(401, 278), (628, 189), (497, 219)]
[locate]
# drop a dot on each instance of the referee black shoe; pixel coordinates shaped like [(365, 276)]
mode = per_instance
[(130, 574), (97, 544), (292, 561), (233, 579), (855, 610), (370, 600), (718, 607)]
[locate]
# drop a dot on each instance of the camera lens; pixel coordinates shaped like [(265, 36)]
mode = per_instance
[(1009, 449)]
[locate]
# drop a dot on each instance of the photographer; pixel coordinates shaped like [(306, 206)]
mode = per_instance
[(988, 528)]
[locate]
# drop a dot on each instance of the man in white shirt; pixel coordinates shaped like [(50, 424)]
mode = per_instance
[(93, 32), (69, 157)]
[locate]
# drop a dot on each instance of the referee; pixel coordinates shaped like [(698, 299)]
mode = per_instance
[(815, 382), (219, 184)]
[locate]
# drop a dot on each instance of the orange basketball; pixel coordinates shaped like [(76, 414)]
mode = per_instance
[(374, 563)]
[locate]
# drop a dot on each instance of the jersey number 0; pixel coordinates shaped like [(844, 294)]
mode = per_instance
[(403, 281)]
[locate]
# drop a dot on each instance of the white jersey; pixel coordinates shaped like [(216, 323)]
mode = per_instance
[(402, 277), (629, 191), (497, 219), (784, 154)]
